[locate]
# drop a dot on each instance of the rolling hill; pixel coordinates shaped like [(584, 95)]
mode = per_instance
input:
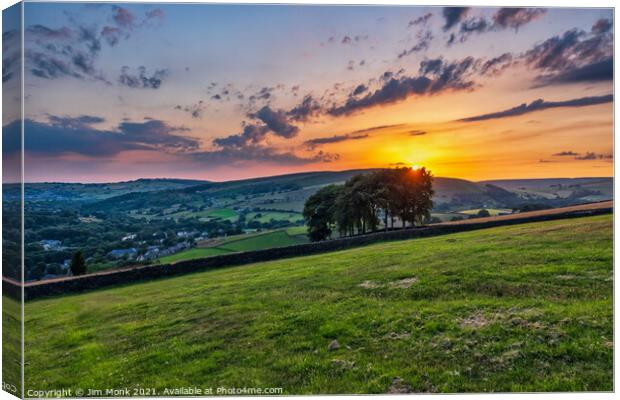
[(154, 218), (520, 308), (289, 192)]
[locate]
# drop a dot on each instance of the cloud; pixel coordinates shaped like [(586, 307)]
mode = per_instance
[(601, 26), (359, 89), (588, 156), (63, 52), (246, 155), (420, 20), (417, 132), (194, 110), (474, 25), (277, 122), (268, 121), (11, 54), (313, 143), (112, 35), (436, 76), (595, 72), (566, 153), (504, 18), (123, 17), (423, 42), (265, 93), (80, 122), (574, 56), (142, 80), (251, 134), (541, 104), (496, 65), (454, 15), (515, 17), (308, 108), (73, 50), (125, 22), (67, 135), (249, 145)]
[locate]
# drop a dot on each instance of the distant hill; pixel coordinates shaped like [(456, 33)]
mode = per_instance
[(58, 191), (560, 191), (289, 192)]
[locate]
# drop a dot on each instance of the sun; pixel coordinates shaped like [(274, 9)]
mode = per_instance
[(415, 167)]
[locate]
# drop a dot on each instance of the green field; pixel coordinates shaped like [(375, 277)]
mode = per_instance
[(191, 254), (278, 238), (266, 216), (222, 213), (492, 211), (520, 308), (256, 241)]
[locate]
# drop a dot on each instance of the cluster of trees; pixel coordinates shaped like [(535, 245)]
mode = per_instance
[(366, 200)]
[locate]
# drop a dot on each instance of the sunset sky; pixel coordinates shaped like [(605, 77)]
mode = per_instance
[(219, 92)]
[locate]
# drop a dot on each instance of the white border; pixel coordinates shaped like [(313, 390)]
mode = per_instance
[(481, 3)]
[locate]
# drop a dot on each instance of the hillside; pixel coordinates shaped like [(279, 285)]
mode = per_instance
[(519, 308), (560, 189), (287, 193), (143, 221)]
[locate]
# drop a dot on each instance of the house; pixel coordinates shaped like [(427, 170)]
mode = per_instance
[(174, 249), (186, 234), (151, 253), (120, 253), (129, 237), (49, 245)]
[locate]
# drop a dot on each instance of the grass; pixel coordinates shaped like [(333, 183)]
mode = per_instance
[(193, 253), (297, 230), (492, 211), (11, 345), (257, 241), (223, 213), (520, 308), (267, 216), (277, 238)]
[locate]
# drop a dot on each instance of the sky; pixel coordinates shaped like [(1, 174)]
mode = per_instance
[(115, 92)]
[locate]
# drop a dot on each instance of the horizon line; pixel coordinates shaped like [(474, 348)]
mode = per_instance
[(290, 174)]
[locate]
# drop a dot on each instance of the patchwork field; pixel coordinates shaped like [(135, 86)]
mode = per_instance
[(492, 211), (257, 241), (520, 308)]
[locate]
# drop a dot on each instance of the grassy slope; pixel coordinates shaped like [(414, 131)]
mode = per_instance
[(273, 239), (521, 308), (11, 344), (192, 253)]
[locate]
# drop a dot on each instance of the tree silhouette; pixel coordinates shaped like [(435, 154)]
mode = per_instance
[(320, 212), (356, 206), (78, 264), (484, 213)]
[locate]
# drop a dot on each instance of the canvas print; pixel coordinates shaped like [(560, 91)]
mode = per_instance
[(232, 199)]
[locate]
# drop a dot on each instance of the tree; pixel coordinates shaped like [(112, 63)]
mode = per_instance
[(356, 206), (412, 195), (78, 264), (483, 213), (320, 212)]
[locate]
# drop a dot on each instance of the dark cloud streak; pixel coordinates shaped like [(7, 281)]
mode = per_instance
[(541, 104)]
